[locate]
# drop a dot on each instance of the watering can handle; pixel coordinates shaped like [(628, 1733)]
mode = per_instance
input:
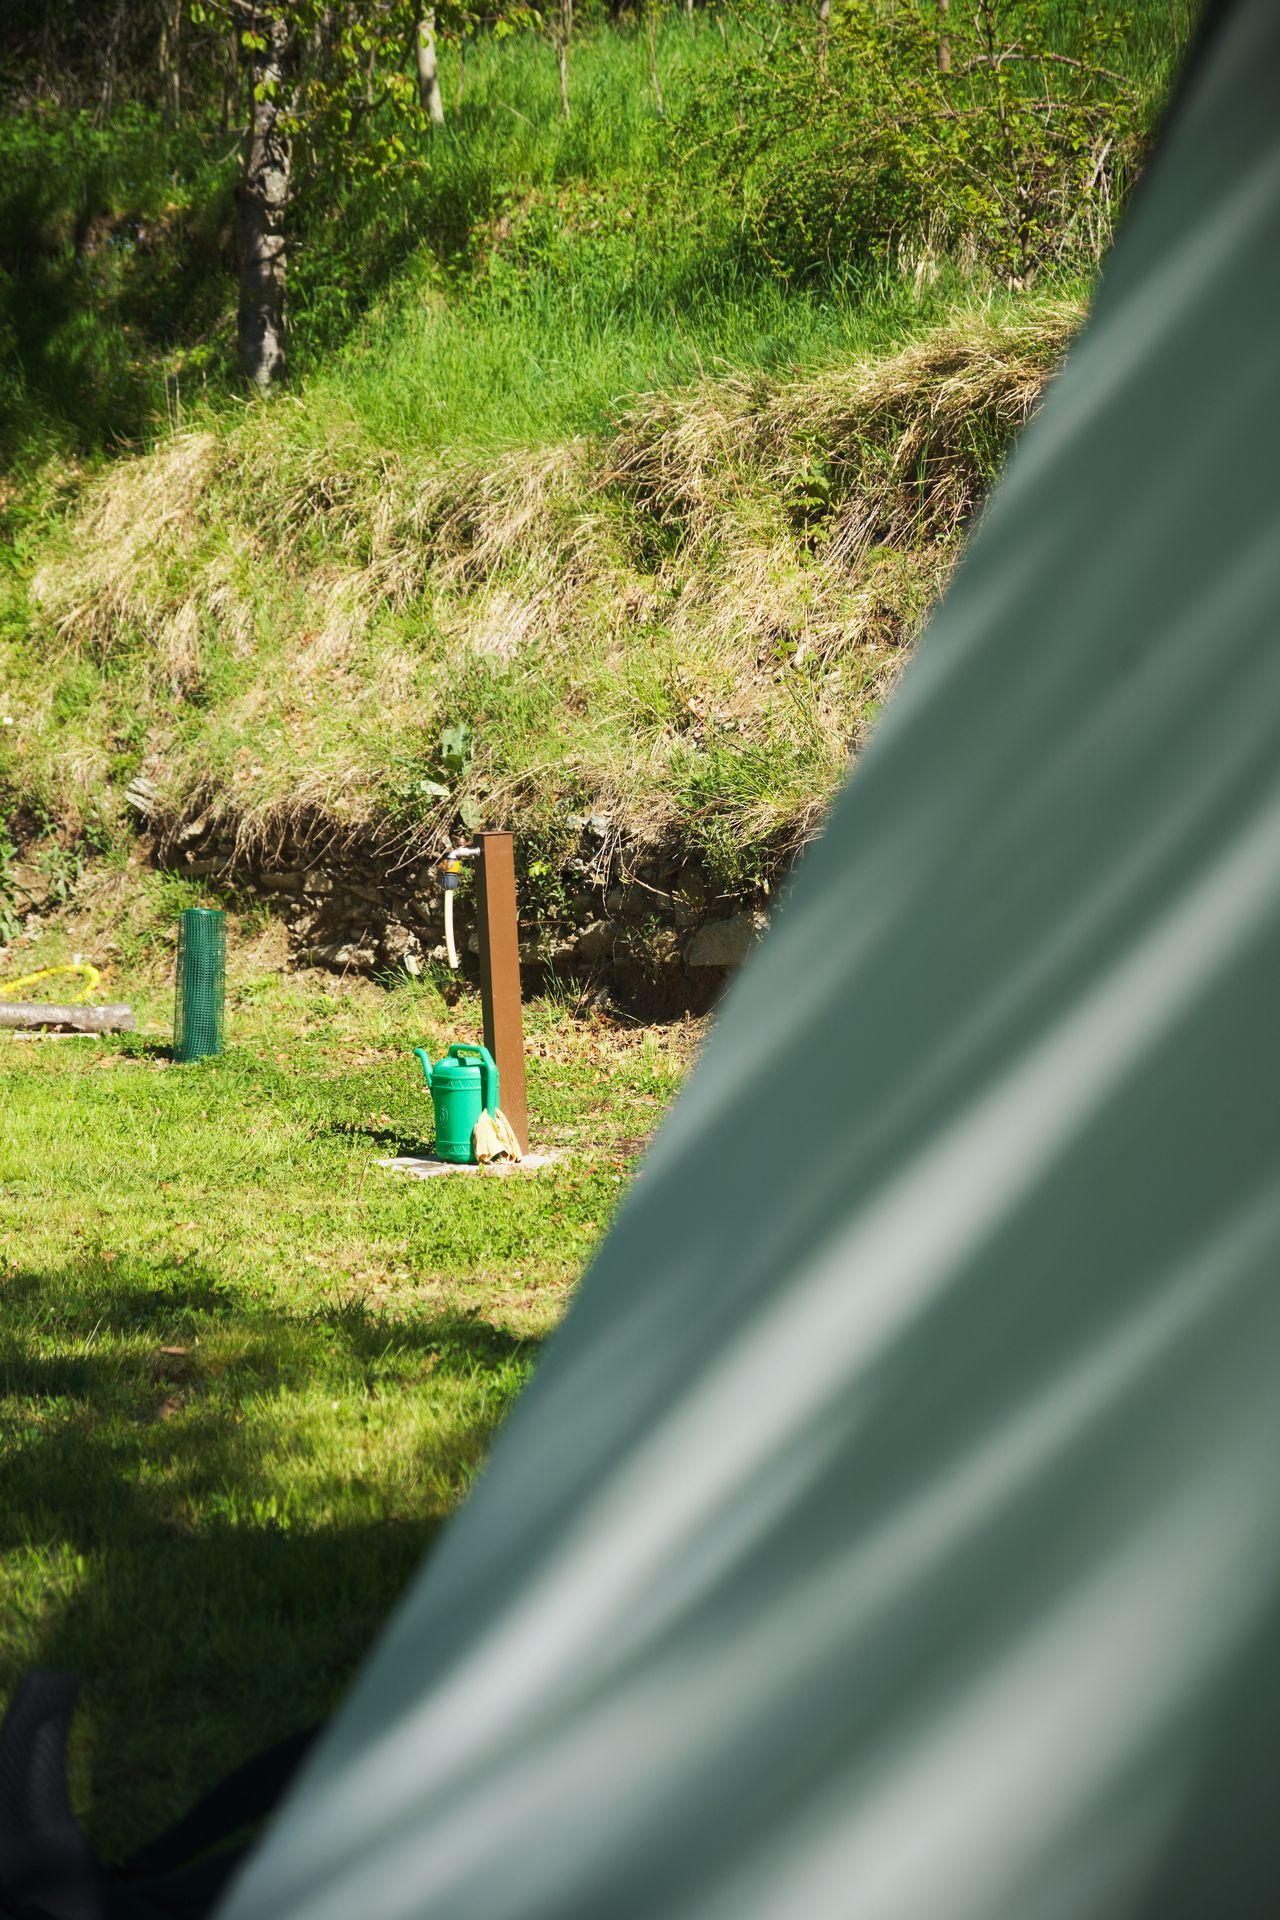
[(488, 1071), (425, 1058)]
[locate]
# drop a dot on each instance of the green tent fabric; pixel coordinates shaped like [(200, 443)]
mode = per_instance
[(893, 1528)]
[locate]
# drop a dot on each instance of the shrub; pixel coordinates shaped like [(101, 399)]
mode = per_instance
[(1011, 136)]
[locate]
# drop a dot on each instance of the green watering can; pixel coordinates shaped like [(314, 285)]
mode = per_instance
[(463, 1086)]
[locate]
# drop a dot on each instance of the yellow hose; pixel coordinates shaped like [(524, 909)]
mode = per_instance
[(91, 976)]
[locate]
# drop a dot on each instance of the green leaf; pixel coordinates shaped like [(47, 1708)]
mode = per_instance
[(455, 747)]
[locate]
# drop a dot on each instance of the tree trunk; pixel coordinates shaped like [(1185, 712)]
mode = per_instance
[(824, 34), (651, 25), (164, 63), (262, 203), (107, 97), (231, 81), (562, 52), (428, 70), (944, 38), (36, 1016), (174, 89)]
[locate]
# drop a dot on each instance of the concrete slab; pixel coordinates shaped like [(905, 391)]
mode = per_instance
[(429, 1168)]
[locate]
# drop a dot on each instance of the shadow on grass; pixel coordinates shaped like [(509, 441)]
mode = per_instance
[(135, 1046), (191, 1527), (391, 1139)]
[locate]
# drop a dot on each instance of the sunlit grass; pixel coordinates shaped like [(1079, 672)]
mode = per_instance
[(244, 1371)]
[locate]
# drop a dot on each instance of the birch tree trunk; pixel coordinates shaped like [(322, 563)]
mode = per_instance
[(262, 203), (944, 38), (170, 58), (175, 62), (231, 80), (107, 96), (562, 53), (428, 70), (651, 27)]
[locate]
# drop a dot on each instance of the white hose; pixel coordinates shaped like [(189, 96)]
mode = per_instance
[(451, 945)]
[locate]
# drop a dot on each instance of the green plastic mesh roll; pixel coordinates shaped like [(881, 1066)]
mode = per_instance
[(201, 984)]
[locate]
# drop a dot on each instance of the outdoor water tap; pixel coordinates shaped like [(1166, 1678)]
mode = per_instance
[(450, 868)]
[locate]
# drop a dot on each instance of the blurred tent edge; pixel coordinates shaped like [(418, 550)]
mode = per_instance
[(891, 1528)]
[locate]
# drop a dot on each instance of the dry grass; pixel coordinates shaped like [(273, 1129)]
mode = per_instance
[(909, 440), (687, 625)]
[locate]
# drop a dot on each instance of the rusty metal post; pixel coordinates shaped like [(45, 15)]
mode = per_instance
[(500, 976)]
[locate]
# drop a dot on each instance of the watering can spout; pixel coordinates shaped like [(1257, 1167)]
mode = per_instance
[(425, 1058)]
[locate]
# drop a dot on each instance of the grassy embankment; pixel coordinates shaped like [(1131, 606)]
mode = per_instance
[(685, 623), (571, 461)]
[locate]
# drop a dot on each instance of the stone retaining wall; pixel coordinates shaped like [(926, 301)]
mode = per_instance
[(643, 924)]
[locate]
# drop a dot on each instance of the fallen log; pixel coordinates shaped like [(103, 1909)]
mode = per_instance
[(28, 1016)]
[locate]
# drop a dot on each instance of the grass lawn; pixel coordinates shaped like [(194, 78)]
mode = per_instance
[(245, 1372)]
